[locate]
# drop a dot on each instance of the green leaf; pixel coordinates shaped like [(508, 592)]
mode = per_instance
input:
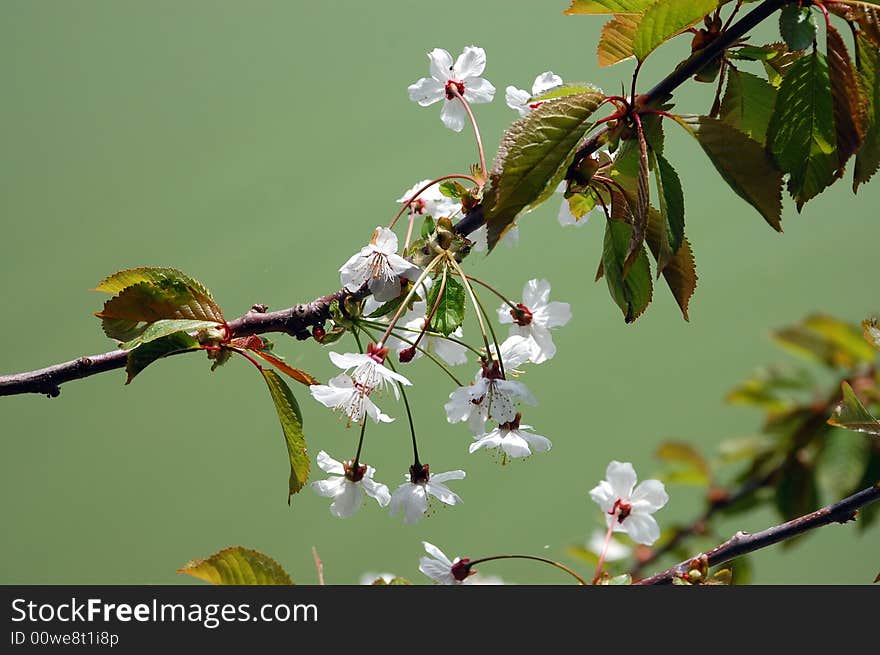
[(748, 104), (290, 417), (564, 90), (801, 133), (665, 19), (868, 156), (833, 342), (796, 493), (396, 581), (428, 226), (680, 272), (841, 464), (532, 158), (766, 387), (154, 275), (632, 293), (608, 6), (452, 189), (846, 97), (449, 314), (616, 40), (164, 327), (797, 26), (640, 207), (147, 353), (671, 199), (691, 466), (237, 565), (851, 414), (871, 331)]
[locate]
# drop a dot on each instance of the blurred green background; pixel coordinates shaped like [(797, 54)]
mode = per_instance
[(256, 145)]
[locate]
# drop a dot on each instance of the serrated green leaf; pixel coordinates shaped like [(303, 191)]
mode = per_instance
[(742, 162), (564, 90), (826, 339), (846, 97), (290, 417), (748, 104), (671, 199), (680, 272), (616, 40), (428, 226), (452, 189), (851, 414), (797, 26), (164, 327), (147, 353), (633, 292), (801, 133), (532, 158), (154, 275), (666, 19), (237, 565), (448, 295), (841, 464), (592, 7), (868, 157)]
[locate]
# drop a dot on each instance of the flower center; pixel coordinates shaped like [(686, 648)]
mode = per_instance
[(454, 88), (522, 315), (377, 354), (419, 474), (462, 569), (492, 371), (418, 206), (621, 509), (352, 473), (512, 425)]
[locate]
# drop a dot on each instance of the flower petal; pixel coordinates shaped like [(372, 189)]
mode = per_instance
[(437, 554), (384, 241), (376, 490), (385, 289), (603, 495), (491, 440), (514, 445), (642, 528), (479, 91), (457, 474), (442, 492), (441, 64), (331, 487), (426, 91), (649, 496), (349, 501), (544, 82), (536, 293), (470, 63), (330, 465), (453, 115), (347, 361), (437, 571), (622, 478), (555, 314), (538, 443), (517, 99), (543, 347)]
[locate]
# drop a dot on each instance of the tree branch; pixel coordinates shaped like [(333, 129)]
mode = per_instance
[(294, 321), (743, 543)]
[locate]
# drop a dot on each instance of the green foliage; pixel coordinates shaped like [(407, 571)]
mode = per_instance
[(868, 156), (680, 272), (297, 374), (532, 158), (797, 26), (565, 89), (631, 292), (687, 465), (770, 388), (841, 464), (451, 189), (608, 6), (164, 327), (616, 41), (826, 339), (796, 492), (851, 414), (147, 353), (742, 163), (237, 565), (748, 104), (846, 98), (671, 199), (448, 295), (801, 134), (290, 417), (665, 19), (396, 581)]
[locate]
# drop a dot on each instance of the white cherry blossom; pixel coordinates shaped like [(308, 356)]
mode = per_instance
[(616, 550), (378, 266), (413, 322), (368, 578), (412, 496), (347, 486), (534, 318), (369, 371), (448, 79), (513, 439), (480, 237), (441, 569), (490, 396), (431, 201), (341, 393), (521, 100), (627, 507)]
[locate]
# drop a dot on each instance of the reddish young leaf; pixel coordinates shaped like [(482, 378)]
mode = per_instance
[(640, 210), (300, 376), (680, 272), (616, 41), (847, 98)]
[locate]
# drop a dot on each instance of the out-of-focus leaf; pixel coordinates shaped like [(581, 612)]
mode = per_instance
[(583, 554), (533, 156), (290, 417), (749, 447), (801, 134), (833, 342), (847, 98), (851, 414), (450, 304), (868, 156), (691, 467), (299, 375), (616, 41), (608, 7), (721, 577), (164, 327), (764, 389), (663, 20), (622, 579), (841, 464), (147, 353), (796, 492), (871, 331), (742, 571), (748, 103), (633, 292), (681, 271), (742, 162), (869, 514), (396, 581), (797, 26), (238, 566)]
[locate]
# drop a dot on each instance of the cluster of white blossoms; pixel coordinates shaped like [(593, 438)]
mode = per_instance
[(628, 508)]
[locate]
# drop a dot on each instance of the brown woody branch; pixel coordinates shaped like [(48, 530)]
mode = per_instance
[(295, 321), (743, 543)]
